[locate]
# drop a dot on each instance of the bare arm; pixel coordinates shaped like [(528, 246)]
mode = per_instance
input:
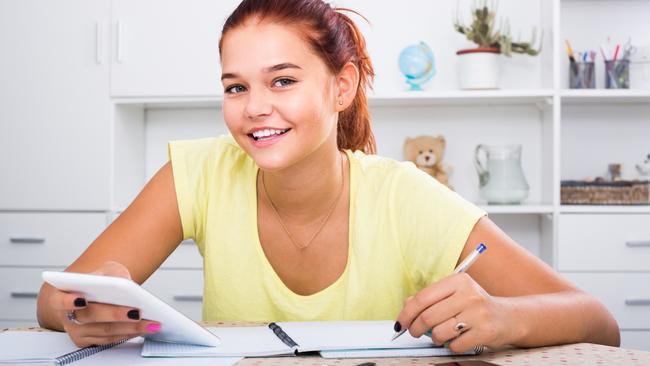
[(141, 238), (508, 297)]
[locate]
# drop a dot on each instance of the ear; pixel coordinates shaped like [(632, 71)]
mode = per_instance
[(347, 82)]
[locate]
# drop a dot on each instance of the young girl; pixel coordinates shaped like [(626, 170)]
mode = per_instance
[(297, 220)]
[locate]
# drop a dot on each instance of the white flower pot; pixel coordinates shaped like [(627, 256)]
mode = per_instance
[(478, 68)]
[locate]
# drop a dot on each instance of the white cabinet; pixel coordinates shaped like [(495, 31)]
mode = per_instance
[(601, 242), (46, 239), (54, 105), (31, 243), (168, 47)]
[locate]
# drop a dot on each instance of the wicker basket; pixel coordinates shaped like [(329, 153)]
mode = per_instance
[(574, 192)]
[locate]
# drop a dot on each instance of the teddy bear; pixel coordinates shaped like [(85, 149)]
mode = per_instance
[(427, 153)]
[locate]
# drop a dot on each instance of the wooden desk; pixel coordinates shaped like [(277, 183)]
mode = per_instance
[(581, 354)]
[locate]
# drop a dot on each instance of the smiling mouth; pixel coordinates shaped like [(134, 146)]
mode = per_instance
[(262, 135)]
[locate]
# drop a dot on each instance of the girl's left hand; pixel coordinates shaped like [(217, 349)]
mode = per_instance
[(457, 309)]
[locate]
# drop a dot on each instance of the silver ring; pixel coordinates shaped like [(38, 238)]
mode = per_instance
[(460, 327), (72, 316)]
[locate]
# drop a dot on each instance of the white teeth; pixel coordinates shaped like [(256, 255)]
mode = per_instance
[(267, 132)]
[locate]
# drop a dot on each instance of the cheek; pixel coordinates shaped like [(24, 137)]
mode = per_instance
[(309, 109), (231, 115)]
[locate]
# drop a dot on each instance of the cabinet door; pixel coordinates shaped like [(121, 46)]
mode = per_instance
[(167, 48), (54, 104)]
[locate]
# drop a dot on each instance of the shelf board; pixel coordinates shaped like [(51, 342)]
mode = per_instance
[(464, 97), (532, 208), (605, 209), (403, 98), (605, 96), (171, 102)]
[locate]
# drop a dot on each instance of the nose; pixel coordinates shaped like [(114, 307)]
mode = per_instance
[(258, 105)]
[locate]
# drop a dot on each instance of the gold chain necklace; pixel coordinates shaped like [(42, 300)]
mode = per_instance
[(322, 225)]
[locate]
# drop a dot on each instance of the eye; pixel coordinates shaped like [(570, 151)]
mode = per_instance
[(420, 152), (283, 82), (430, 150), (234, 89)]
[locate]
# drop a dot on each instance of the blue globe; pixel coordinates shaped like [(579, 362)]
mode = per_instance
[(417, 64)]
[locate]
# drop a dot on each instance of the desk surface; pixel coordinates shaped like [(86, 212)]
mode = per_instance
[(581, 354)]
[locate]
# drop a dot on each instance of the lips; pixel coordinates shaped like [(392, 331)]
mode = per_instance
[(267, 133), (265, 137)]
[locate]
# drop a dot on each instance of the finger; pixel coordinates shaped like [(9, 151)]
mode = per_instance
[(98, 341), (466, 342), (436, 314), (103, 330), (445, 331), (101, 313), (114, 269), (67, 301), (423, 299)]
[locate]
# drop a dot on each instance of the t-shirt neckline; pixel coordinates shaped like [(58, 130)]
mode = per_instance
[(267, 265)]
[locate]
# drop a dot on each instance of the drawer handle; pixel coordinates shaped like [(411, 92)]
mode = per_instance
[(24, 295), (635, 302), (642, 243), (26, 240), (192, 298)]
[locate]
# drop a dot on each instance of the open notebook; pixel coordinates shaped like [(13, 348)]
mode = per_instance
[(333, 339), (47, 348)]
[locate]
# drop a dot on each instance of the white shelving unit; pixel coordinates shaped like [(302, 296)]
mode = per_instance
[(565, 134)]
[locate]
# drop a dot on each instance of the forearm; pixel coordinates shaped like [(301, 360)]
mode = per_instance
[(559, 318)]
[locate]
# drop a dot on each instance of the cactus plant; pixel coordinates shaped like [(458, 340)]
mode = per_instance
[(483, 32)]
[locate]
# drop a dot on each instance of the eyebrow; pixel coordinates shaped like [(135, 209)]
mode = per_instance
[(278, 67)]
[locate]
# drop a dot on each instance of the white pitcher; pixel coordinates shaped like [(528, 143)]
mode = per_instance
[(501, 177)]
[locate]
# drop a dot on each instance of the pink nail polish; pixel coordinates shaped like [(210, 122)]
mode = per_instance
[(153, 328)]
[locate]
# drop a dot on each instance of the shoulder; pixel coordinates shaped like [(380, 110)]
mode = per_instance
[(209, 152), (375, 170)]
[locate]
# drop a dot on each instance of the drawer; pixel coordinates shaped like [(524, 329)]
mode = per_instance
[(626, 295), (47, 239), (604, 242), (182, 289), (18, 291), (636, 339), (186, 256)]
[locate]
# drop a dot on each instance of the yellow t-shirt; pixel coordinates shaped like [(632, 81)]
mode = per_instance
[(406, 231)]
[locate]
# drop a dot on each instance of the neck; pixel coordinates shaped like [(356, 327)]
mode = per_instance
[(307, 189)]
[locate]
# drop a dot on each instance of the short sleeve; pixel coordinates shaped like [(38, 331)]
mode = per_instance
[(434, 224), (190, 162)]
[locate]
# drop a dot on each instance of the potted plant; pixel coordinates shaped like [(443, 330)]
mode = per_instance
[(479, 67)]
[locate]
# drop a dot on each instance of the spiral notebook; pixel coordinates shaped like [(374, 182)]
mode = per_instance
[(43, 348), (332, 339)]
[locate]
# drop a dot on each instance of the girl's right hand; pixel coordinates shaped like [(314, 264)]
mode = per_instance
[(97, 323)]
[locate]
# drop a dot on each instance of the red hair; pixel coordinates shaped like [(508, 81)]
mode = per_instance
[(335, 38)]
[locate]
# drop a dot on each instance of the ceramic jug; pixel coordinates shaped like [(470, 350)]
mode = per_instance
[(501, 177)]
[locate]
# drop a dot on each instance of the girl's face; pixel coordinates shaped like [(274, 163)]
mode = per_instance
[(279, 97)]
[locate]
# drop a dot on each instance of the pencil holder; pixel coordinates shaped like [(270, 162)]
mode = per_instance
[(581, 75), (617, 74)]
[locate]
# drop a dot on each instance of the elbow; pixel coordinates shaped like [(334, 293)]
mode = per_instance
[(604, 329)]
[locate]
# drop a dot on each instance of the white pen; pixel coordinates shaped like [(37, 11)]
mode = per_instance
[(462, 267)]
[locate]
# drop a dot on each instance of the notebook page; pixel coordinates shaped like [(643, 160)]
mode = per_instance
[(394, 352), (349, 335), (236, 341), (34, 346), (129, 354)]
